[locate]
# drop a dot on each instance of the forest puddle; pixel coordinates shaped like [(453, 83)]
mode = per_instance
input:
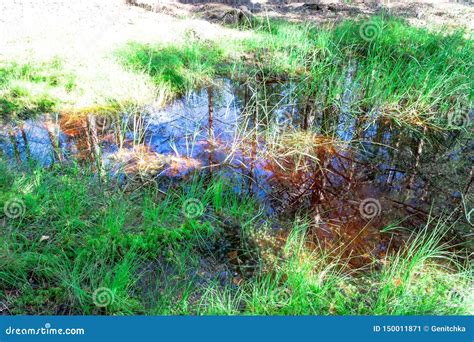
[(354, 174)]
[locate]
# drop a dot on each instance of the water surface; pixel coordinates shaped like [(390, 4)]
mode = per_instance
[(353, 173)]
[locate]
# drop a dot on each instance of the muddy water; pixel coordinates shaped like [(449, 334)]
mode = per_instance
[(353, 173)]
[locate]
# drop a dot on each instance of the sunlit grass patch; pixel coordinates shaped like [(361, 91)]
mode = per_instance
[(31, 88), (175, 69)]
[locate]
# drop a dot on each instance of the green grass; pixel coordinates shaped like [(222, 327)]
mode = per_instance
[(31, 88), (98, 236), (77, 235), (400, 68), (412, 74), (175, 69)]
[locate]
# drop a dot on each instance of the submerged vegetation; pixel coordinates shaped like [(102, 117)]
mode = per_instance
[(82, 235)]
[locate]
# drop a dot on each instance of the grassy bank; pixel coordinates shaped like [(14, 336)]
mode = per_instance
[(413, 74), (75, 245)]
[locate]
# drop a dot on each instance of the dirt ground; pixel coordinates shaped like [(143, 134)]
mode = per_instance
[(84, 34), (428, 13), (51, 27)]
